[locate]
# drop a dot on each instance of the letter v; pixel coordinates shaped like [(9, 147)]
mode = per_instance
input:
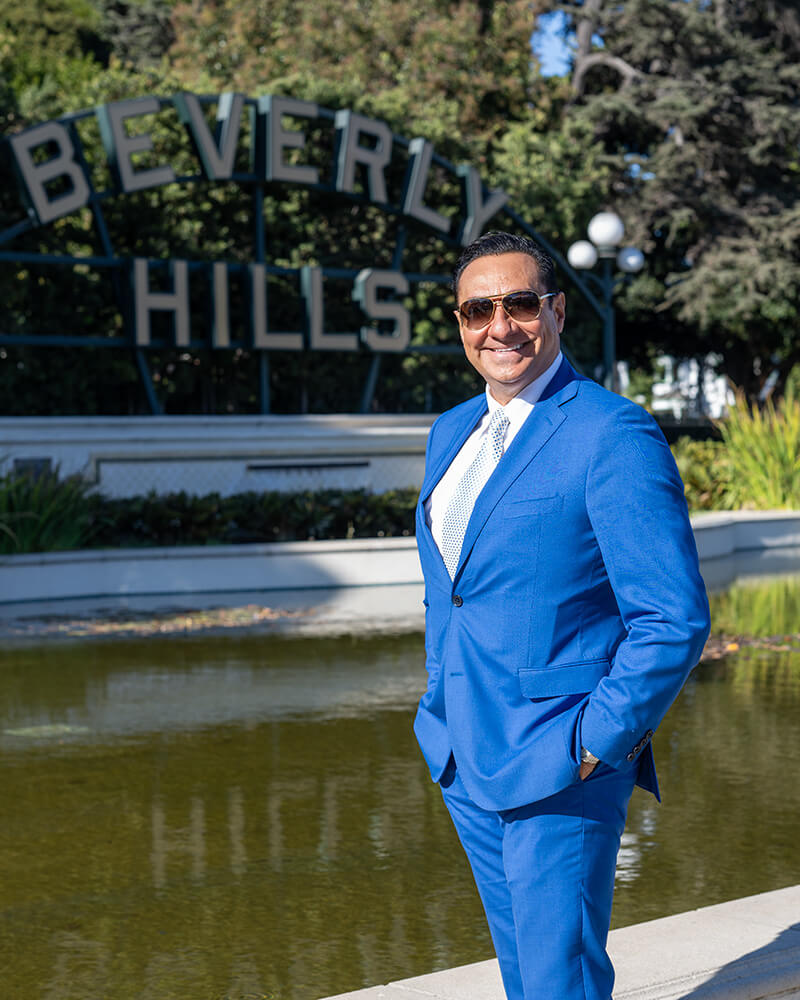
[(217, 153)]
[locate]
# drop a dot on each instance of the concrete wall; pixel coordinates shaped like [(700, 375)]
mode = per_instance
[(338, 579), (128, 456), (338, 582)]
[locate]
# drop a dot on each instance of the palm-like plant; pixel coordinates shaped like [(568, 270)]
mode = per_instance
[(43, 513), (763, 447)]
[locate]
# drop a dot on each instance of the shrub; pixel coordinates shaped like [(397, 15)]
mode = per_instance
[(763, 449), (705, 469), (43, 513), (180, 519)]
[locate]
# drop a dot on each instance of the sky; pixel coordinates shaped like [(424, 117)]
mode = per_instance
[(549, 46)]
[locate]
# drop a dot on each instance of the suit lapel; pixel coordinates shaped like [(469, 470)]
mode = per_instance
[(462, 426), (454, 433)]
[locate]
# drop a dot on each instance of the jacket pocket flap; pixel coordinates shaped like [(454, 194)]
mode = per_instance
[(561, 679), (532, 506)]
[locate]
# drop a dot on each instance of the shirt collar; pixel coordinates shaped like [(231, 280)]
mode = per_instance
[(531, 393)]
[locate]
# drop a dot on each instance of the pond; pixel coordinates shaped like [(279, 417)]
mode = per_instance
[(236, 817)]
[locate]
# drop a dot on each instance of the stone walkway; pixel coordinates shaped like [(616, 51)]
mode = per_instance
[(747, 949)]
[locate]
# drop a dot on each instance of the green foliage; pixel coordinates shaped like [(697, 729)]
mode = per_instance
[(705, 469), (138, 32), (758, 608), (552, 166), (763, 449), (46, 514), (695, 105), (180, 519), (43, 513), (755, 466), (452, 74)]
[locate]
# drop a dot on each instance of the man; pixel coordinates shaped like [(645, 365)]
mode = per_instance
[(564, 610)]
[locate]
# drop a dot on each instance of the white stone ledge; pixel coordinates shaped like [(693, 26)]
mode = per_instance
[(725, 533), (340, 576), (331, 577), (747, 949), (124, 456)]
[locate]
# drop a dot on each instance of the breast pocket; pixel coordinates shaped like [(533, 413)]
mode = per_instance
[(532, 506)]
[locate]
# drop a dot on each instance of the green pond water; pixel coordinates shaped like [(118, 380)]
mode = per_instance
[(246, 817)]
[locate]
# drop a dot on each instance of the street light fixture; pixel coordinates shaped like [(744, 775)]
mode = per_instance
[(606, 232)]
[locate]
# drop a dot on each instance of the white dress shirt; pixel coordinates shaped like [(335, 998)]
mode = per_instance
[(517, 410)]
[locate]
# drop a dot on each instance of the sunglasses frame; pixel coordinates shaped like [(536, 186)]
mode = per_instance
[(494, 299)]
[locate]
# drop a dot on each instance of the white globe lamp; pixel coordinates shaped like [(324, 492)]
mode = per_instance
[(630, 260), (606, 230), (582, 255)]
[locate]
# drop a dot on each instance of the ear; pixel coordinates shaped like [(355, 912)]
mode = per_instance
[(460, 329), (560, 310)]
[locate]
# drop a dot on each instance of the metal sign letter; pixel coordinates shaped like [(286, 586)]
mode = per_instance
[(271, 109), (120, 146), (349, 128), (365, 292), (263, 340), (36, 175), (146, 301), (478, 211), (420, 153), (217, 153), (318, 340)]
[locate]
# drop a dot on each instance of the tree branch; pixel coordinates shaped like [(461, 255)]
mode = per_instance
[(585, 28), (582, 66), (721, 15)]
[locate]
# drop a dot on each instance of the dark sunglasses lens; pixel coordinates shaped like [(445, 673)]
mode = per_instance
[(522, 306), (477, 313)]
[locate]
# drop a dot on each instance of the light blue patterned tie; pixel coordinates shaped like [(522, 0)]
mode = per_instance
[(459, 510)]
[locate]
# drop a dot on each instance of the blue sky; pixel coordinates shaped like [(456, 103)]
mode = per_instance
[(549, 45)]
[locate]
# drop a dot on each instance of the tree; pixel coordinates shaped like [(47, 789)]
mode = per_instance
[(138, 32), (454, 72), (695, 105)]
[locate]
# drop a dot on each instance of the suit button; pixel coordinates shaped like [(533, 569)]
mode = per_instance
[(458, 600)]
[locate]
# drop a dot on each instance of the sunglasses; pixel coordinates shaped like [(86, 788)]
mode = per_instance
[(522, 307)]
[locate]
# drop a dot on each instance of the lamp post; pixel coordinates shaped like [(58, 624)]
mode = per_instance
[(605, 233)]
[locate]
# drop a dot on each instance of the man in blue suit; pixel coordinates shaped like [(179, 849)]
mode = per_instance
[(564, 611)]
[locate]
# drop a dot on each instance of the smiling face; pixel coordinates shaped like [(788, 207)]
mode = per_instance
[(507, 353)]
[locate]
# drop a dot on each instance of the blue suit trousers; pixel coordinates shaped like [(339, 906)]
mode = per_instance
[(545, 875)]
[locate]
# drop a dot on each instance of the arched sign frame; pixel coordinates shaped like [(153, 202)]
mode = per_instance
[(57, 185)]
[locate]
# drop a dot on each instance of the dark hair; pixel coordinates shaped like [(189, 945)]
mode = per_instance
[(494, 244)]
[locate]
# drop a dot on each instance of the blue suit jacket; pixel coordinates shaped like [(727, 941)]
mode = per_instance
[(577, 610)]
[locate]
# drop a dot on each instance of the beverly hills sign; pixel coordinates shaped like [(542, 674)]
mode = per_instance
[(365, 161)]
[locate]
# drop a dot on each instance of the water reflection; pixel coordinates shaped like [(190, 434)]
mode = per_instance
[(251, 817), (220, 819)]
